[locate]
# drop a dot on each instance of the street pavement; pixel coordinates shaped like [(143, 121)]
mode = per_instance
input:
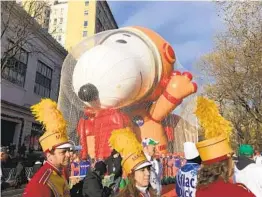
[(11, 192), (168, 190)]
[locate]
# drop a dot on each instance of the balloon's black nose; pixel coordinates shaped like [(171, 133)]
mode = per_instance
[(88, 93)]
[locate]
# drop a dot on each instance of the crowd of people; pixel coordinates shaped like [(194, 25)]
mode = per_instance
[(237, 173)]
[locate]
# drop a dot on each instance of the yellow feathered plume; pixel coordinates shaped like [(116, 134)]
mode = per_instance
[(46, 113), (210, 119), (125, 142)]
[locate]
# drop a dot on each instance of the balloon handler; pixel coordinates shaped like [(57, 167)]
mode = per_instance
[(49, 180)]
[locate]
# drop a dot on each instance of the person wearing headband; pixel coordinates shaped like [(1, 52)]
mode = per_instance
[(49, 180)]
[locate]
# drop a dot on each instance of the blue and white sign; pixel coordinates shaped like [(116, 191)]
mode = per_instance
[(186, 180)]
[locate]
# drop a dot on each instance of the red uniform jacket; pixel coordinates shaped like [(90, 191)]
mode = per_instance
[(222, 189), (47, 177)]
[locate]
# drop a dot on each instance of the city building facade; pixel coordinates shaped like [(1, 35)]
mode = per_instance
[(31, 72), (73, 21), (39, 10)]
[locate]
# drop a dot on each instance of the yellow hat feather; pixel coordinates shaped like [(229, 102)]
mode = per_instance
[(210, 119), (125, 142), (46, 113)]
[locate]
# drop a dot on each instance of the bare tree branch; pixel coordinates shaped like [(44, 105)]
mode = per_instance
[(23, 32)]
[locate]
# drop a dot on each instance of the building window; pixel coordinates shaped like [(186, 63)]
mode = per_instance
[(85, 23), (86, 12), (86, 3), (84, 33), (55, 21), (15, 69), (61, 20), (43, 80)]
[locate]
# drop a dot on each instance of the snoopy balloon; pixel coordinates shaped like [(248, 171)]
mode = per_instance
[(121, 78)]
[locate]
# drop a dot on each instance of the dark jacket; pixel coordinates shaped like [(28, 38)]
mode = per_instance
[(92, 186), (243, 162), (114, 166)]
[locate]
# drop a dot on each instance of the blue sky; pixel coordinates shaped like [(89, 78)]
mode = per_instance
[(188, 26)]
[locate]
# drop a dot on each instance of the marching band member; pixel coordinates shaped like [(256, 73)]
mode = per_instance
[(134, 163), (216, 154), (217, 168), (49, 180)]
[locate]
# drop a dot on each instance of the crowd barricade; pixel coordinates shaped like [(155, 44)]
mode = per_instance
[(9, 175), (28, 173)]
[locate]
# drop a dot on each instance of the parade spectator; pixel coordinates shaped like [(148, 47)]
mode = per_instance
[(75, 165), (161, 166), (75, 180), (186, 178), (165, 165), (20, 176), (4, 157), (37, 165), (22, 150), (177, 163), (246, 150), (170, 164), (12, 148), (246, 170), (85, 165), (92, 184), (216, 170), (93, 162), (258, 158), (48, 180), (158, 159), (149, 148), (4, 154), (113, 163)]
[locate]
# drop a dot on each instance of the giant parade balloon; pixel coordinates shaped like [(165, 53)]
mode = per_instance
[(121, 78)]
